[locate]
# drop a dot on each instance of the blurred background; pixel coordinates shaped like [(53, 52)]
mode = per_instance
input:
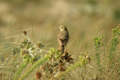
[(41, 18)]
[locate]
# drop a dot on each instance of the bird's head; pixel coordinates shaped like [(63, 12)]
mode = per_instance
[(62, 28)]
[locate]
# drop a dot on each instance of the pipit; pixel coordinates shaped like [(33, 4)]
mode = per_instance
[(63, 37)]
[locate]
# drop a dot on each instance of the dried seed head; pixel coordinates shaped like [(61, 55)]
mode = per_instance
[(38, 75), (61, 67), (25, 33), (67, 57)]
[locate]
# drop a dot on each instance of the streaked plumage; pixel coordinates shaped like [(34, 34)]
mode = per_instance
[(63, 37)]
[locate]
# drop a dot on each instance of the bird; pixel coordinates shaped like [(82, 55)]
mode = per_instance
[(63, 37)]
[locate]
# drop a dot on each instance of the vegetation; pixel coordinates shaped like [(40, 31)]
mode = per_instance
[(52, 64), (35, 55)]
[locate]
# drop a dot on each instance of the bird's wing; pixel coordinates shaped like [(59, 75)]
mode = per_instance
[(62, 36)]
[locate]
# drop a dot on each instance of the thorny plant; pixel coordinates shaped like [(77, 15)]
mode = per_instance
[(98, 43), (28, 52), (113, 58), (114, 42), (51, 64), (112, 62)]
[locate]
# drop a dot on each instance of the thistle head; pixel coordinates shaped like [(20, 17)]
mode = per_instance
[(25, 33)]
